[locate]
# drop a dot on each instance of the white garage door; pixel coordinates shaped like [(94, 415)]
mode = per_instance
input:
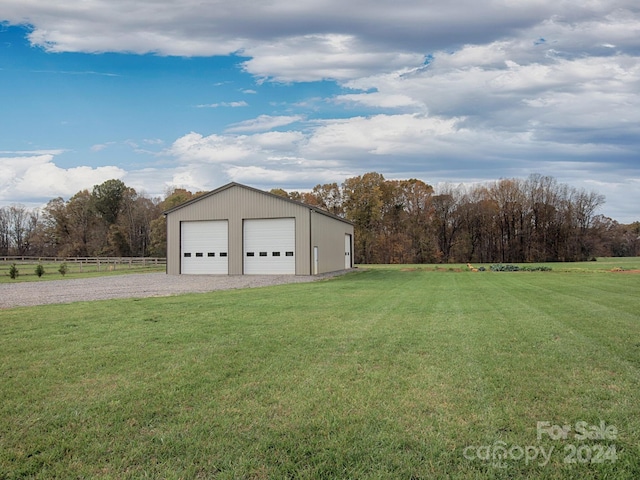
[(269, 246), (204, 247)]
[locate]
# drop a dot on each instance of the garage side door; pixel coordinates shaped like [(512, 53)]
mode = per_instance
[(203, 248), (269, 246), (347, 251)]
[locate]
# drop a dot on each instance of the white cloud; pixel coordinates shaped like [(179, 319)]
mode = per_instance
[(196, 178), (256, 174), (568, 100), (277, 141), (479, 90), (287, 174), (195, 148), (380, 135), (328, 39), (241, 103), (378, 99), (195, 27), (399, 146), (317, 57), (38, 177), (263, 123), (52, 152)]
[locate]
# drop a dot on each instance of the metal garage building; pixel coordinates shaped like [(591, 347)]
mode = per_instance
[(237, 230)]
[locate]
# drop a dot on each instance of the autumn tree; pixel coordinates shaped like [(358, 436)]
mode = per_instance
[(328, 197), (416, 197), (364, 199), (279, 192), (158, 226), (73, 226), (112, 220), (130, 235)]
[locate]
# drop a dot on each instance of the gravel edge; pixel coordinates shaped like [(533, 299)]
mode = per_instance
[(136, 285)]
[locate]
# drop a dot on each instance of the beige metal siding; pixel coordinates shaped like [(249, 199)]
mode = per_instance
[(235, 204), (328, 235)]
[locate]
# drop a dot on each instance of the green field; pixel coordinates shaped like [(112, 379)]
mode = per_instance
[(390, 373)]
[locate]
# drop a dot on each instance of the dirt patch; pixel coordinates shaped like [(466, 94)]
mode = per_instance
[(632, 272)]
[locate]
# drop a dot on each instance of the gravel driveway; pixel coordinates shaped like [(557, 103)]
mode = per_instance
[(134, 285)]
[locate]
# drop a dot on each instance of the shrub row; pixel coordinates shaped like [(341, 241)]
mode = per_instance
[(515, 268), (14, 272)]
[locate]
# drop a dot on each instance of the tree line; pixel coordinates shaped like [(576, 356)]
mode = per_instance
[(510, 220), (396, 221), (110, 220)]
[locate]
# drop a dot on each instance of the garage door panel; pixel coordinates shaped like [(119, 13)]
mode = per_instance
[(269, 246), (204, 247)]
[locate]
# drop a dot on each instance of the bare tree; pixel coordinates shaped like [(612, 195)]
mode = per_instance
[(446, 219), (5, 231), (19, 227)]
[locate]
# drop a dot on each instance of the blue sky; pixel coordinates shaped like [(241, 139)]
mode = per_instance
[(285, 94)]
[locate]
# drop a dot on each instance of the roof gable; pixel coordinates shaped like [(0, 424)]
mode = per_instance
[(269, 194)]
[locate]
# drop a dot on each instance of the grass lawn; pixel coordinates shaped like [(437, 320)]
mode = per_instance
[(385, 373)]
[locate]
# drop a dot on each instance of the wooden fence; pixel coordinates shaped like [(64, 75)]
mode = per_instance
[(88, 263)]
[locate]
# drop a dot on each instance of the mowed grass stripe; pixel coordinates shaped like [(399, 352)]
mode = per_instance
[(588, 307), (380, 374), (578, 360)]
